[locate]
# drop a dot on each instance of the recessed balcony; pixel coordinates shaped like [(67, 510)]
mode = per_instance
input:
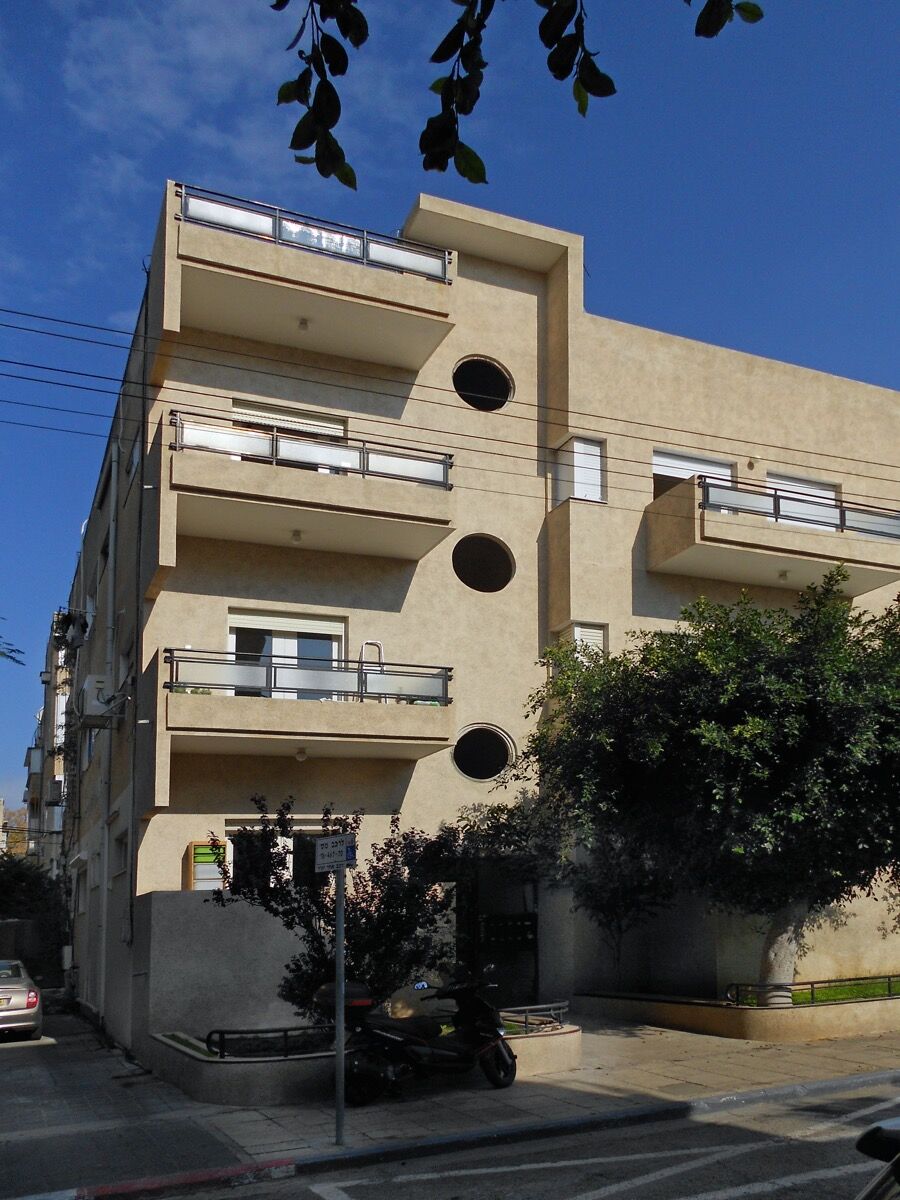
[(769, 537), (278, 488), (258, 271), (280, 705)]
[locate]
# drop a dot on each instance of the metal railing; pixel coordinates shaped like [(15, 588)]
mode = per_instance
[(329, 456), (293, 1042), (298, 231), (283, 677), (535, 1017), (817, 991), (780, 505)]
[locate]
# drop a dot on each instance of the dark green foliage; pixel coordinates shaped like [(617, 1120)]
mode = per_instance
[(561, 29), (397, 916), (28, 893), (751, 755), (9, 651)]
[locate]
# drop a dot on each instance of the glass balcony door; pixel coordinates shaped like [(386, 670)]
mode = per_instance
[(282, 665)]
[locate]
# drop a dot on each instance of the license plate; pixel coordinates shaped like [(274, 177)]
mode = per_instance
[(5, 1000)]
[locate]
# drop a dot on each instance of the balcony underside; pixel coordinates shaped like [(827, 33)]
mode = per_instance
[(277, 506), (201, 724), (739, 547), (334, 317)]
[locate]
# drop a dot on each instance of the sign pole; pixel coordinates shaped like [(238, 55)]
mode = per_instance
[(336, 853), (339, 1010)]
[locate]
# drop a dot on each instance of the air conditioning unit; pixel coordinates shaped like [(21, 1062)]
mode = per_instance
[(92, 710), (55, 797)]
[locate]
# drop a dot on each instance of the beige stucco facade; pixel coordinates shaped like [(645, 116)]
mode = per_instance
[(193, 535)]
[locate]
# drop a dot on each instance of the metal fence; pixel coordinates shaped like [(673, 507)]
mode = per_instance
[(298, 231), (817, 991), (780, 505)]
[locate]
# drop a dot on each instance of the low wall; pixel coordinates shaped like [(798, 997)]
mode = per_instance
[(243, 1081), (802, 1023)]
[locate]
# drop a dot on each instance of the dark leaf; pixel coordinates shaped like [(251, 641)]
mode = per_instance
[(304, 83), (557, 19), (329, 155), (435, 161), (306, 159), (334, 54), (749, 12), (713, 18), (304, 132), (470, 58), (326, 104), (280, 5), (346, 175), (467, 92), (353, 26), (593, 80), (561, 58), (439, 135), (468, 164), (452, 43), (318, 62), (438, 86), (287, 93), (581, 96)]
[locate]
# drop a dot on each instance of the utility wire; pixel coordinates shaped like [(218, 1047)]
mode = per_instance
[(407, 385)]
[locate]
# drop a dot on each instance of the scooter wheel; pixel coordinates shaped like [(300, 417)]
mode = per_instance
[(499, 1065), (365, 1077)]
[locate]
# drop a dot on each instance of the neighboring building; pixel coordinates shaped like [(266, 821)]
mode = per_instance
[(44, 796), (354, 486)]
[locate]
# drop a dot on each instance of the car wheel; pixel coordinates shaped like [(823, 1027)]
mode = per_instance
[(499, 1065)]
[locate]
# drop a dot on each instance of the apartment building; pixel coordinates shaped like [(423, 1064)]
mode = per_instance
[(44, 796), (354, 485)]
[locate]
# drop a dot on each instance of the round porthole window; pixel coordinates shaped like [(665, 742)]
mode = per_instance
[(482, 383), (482, 752), (483, 563)]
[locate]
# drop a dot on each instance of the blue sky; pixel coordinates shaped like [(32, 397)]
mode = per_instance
[(741, 191)]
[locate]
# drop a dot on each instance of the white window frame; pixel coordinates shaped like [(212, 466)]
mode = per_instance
[(579, 470), (274, 623), (591, 635)]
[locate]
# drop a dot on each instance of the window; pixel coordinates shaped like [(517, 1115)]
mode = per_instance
[(578, 473), (281, 416), (483, 563), (483, 384), (88, 744), (670, 468), (593, 637), (201, 868), (120, 854), (81, 891), (482, 752), (805, 501), (286, 657)]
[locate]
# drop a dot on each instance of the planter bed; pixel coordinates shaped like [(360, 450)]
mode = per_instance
[(797, 1023)]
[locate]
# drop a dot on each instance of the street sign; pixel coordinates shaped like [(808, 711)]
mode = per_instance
[(335, 853)]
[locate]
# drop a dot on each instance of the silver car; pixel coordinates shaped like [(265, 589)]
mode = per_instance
[(21, 1010)]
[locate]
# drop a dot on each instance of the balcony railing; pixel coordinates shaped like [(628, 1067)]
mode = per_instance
[(315, 454), (279, 225), (285, 678), (780, 505)]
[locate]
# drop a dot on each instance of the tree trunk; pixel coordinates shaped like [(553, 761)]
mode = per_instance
[(779, 955)]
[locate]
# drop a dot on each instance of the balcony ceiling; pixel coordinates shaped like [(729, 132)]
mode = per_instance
[(286, 746), (341, 324)]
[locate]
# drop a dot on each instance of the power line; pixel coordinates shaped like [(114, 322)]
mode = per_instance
[(230, 414), (409, 384)]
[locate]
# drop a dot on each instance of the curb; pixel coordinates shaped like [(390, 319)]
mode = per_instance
[(286, 1168)]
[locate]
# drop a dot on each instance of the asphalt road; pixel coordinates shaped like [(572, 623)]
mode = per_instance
[(801, 1150)]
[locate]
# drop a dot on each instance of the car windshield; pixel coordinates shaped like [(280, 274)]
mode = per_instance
[(10, 970)]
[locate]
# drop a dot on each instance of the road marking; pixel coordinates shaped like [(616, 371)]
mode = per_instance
[(563, 1164), (766, 1187), (335, 1191), (667, 1172)]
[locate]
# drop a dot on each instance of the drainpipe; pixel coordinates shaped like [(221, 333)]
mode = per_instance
[(110, 665)]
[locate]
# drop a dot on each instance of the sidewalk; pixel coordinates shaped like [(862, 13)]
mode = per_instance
[(74, 1114)]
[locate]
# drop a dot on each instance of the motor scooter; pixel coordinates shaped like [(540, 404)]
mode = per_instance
[(382, 1051)]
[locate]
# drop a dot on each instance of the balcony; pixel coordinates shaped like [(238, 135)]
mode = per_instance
[(34, 764), (769, 537), (278, 488), (258, 271), (218, 703)]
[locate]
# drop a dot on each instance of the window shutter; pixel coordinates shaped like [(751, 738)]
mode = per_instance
[(285, 623), (286, 417), (683, 466)]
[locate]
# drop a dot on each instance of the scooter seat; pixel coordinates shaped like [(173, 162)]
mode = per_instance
[(425, 1028)]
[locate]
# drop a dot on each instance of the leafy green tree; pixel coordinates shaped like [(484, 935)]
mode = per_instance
[(29, 893), (397, 917), (750, 755), (562, 29)]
